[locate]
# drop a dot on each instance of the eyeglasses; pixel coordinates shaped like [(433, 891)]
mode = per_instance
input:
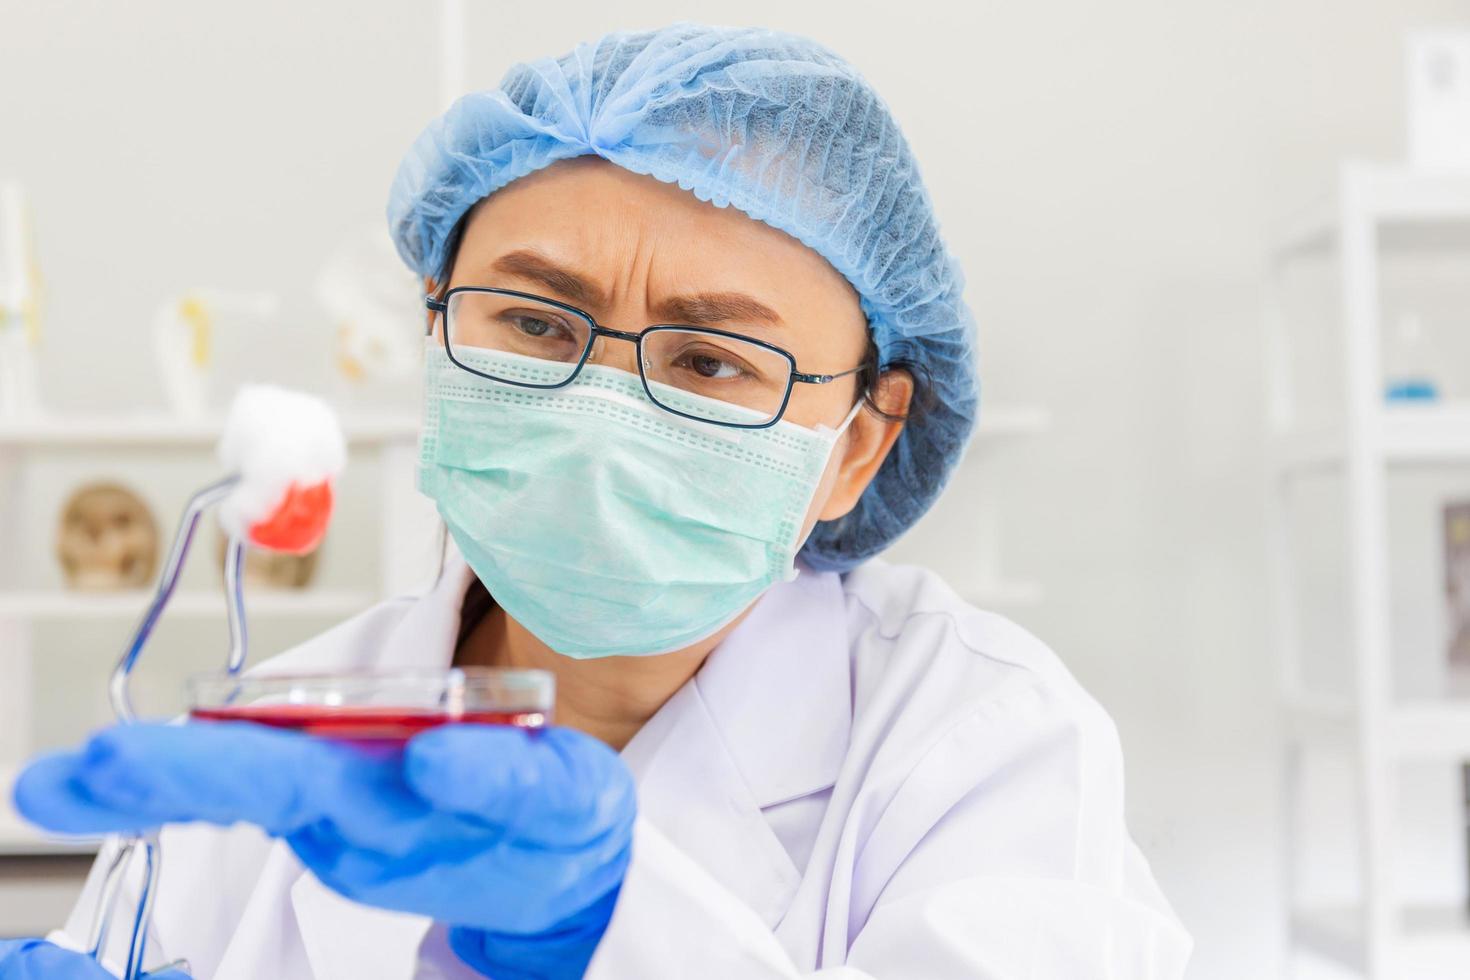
[(726, 367)]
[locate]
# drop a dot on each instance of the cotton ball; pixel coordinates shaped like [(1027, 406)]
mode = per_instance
[(286, 447)]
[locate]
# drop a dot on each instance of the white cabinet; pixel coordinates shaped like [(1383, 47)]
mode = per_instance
[(1372, 722)]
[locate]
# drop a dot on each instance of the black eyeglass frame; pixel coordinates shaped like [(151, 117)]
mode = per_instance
[(440, 305)]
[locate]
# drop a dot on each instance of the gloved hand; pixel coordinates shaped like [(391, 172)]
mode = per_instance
[(36, 959), (518, 840)]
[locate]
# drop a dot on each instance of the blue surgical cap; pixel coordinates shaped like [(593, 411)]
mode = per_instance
[(772, 124)]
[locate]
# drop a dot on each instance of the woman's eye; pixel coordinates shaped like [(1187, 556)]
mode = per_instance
[(710, 366), (533, 326), (707, 362)]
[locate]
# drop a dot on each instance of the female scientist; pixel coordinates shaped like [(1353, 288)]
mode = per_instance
[(695, 354)]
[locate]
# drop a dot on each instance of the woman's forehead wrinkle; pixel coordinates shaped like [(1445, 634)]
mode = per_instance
[(694, 309), (638, 253)]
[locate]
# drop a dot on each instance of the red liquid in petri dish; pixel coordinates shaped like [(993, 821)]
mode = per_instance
[(363, 723)]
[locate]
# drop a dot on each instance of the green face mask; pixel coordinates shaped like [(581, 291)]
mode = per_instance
[(601, 523)]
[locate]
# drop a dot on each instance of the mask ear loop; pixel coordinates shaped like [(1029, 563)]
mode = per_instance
[(843, 425), (831, 440)]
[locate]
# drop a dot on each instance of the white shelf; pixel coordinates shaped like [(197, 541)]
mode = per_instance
[(57, 604), (20, 839), (1427, 434), (1436, 939), (1412, 435), (1430, 729), (1388, 195), (1371, 211), (1423, 728), (160, 430), (1319, 720)]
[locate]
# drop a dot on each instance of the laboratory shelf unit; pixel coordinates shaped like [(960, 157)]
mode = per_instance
[(159, 430), (1407, 434), (1371, 209), (398, 525), (1380, 196), (1412, 729)]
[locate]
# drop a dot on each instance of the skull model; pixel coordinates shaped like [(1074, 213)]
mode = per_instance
[(107, 539)]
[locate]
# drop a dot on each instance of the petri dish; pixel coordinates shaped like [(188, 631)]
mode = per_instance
[(377, 707)]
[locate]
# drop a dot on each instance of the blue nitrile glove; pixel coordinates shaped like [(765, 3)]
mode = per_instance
[(36, 959), (518, 840)]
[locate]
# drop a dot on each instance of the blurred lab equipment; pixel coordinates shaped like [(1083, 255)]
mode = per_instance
[(371, 299), (1438, 87), (1408, 360), (281, 451), (20, 298), (1457, 582), (184, 338), (107, 538)]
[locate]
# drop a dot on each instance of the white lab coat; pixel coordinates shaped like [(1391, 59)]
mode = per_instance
[(867, 779)]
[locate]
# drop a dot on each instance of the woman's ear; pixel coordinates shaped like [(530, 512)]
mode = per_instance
[(868, 442)]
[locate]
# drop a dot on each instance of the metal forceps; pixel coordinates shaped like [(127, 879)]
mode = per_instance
[(147, 846)]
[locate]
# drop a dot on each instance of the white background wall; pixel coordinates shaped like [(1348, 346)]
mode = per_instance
[(1107, 173)]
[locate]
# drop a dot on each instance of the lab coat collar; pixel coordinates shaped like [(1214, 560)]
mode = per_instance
[(765, 721), (778, 689), (347, 941)]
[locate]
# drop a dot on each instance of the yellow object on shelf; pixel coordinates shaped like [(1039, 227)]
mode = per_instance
[(195, 314)]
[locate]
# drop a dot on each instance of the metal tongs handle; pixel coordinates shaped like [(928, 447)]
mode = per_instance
[(122, 706)]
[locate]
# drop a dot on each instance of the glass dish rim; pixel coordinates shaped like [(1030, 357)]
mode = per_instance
[(512, 679)]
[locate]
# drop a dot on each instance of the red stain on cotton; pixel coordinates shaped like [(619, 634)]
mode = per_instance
[(299, 523)]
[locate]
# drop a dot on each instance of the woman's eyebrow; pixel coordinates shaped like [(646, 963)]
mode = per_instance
[(538, 268), (706, 309), (695, 309)]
